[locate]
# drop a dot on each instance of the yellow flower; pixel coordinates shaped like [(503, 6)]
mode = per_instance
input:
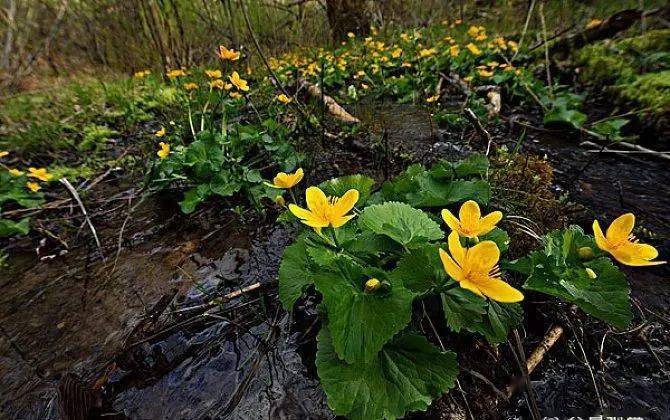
[(141, 74), (351, 35), (622, 244), (213, 74), (160, 133), (284, 99), (235, 95), (396, 53), (454, 50), (433, 98), (325, 211), (405, 37), (164, 151), (473, 49), (3, 153), (485, 73), (217, 84), (593, 23), (513, 45), (239, 82), (284, 180), (473, 31), (40, 174), (471, 224), (190, 86), (15, 172), (427, 52), (406, 64), (176, 73), (33, 186), (476, 269), (372, 285), (228, 54)]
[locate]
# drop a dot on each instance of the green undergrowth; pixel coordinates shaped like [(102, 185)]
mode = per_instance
[(636, 70), (83, 116)]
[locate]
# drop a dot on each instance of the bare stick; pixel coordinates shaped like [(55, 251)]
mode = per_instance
[(266, 63), (632, 148), (334, 109), (75, 195), (470, 115)]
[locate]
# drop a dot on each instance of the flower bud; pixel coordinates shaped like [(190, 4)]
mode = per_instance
[(586, 253), (280, 201), (372, 285), (592, 274)]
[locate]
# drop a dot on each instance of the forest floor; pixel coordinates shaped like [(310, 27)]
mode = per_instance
[(177, 316)]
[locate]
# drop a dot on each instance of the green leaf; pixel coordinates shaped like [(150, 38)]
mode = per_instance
[(193, 197), (408, 226), (405, 376), (224, 185), (473, 165), (10, 227), (500, 319), (435, 188), (462, 308), (421, 269), (361, 323), (610, 129), (338, 186), (294, 273), (499, 236), (606, 297), (562, 115)]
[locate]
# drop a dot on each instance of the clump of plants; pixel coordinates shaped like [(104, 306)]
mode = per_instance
[(213, 152), (19, 189), (376, 256)]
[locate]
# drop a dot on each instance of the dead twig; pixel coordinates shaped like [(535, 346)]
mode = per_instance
[(470, 115), (76, 197)]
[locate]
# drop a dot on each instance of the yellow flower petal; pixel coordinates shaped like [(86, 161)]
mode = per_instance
[(620, 228), (601, 241), (457, 251), (299, 212), (340, 221), (499, 291), (483, 257), (345, 203), (469, 215), (468, 285), (450, 220), (317, 201), (451, 267), (488, 222)]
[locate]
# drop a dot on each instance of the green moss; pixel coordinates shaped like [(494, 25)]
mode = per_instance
[(615, 62), (651, 91)]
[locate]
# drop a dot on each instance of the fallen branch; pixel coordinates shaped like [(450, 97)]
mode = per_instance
[(538, 354), (632, 148), (334, 109), (611, 26)]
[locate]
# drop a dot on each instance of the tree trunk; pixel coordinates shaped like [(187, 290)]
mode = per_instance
[(346, 16)]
